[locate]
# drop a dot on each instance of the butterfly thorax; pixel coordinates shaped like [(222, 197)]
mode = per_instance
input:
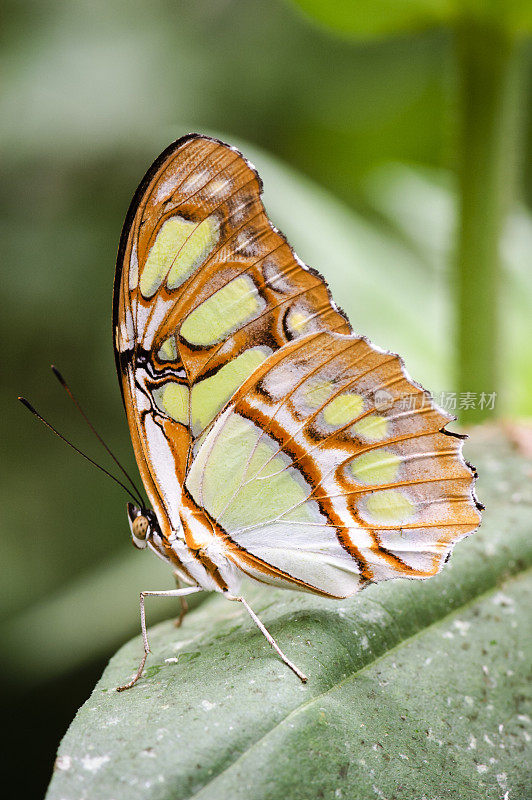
[(210, 545)]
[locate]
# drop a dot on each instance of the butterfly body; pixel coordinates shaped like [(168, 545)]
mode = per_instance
[(273, 443)]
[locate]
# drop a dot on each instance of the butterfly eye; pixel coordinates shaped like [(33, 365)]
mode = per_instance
[(140, 527)]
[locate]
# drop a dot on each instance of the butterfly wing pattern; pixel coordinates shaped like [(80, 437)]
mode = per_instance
[(272, 441)]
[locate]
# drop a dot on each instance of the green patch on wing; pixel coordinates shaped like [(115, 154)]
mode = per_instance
[(241, 481), (173, 399), (180, 246), (211, 394), (226, 310)]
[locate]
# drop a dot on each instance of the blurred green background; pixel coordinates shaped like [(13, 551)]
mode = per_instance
[(371, 138)]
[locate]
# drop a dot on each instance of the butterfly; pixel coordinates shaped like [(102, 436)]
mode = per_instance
[(273, 442)]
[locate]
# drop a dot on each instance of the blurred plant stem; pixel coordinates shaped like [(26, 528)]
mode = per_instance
[(488, 60)]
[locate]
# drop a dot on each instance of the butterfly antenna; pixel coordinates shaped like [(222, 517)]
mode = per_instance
[(98, 466), (70, 393)]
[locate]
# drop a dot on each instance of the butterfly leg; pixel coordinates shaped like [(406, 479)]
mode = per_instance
[(182, 612), (184, 606), (269, 637), (168, 593)]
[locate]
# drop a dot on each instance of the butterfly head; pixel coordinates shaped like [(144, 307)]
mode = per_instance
[(142, 523)]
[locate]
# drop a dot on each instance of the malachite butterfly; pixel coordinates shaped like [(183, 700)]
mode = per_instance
[(272, 441)]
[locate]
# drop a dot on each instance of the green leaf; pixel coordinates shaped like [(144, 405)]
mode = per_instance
[(416, 689), (377, 18), (365, 19)]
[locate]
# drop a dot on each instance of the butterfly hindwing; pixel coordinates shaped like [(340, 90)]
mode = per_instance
[(332, 466)]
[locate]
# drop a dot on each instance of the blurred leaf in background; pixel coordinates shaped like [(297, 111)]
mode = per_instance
[(91, 93), (489, 67)]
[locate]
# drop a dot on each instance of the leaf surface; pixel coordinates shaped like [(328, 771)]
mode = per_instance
[(416, 689)]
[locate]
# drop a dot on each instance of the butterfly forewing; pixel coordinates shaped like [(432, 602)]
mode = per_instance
[(206, 289)]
